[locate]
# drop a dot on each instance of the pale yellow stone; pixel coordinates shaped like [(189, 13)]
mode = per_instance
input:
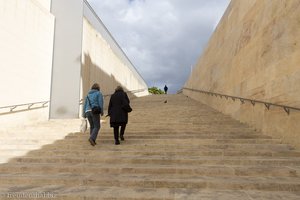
[(254, 53), (177, 150)]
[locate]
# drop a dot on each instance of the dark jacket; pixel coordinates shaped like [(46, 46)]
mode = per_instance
[(117, 114)]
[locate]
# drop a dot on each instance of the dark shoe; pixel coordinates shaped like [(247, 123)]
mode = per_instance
[(122, 137), (93, 143), (117, 142)]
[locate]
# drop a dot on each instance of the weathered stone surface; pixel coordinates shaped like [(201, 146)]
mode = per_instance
[(254, 53), (179, 150)]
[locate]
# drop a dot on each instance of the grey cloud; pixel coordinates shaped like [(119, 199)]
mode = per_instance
[(161, 38)]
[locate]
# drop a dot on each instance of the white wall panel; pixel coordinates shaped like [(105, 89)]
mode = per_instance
[(26, 38)]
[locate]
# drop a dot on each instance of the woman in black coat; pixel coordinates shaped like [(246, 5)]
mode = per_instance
[(118, 112)]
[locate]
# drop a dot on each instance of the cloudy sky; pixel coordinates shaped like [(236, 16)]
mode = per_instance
[(162, 38)]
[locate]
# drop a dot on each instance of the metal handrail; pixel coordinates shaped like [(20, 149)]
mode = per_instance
[(43, 103), (107, 95), (243, 100), (13, 107)]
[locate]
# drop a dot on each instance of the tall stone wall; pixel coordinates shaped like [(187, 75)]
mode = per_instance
[(27, 61), (104, 62), (254, 53), (26, 38), (101, 64)]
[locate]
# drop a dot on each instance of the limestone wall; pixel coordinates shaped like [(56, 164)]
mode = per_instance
[(104, 62), (26, 54), (254, 53), (26, 38), (101, 64)]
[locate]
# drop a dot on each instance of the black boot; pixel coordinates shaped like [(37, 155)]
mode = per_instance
[(116, 135), (123, 126), (122, 137)]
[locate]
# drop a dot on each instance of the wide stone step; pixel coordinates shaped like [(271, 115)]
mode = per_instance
[(174, 193), (221, 143), (61, 192), (15, 152), (178, 136), (177, 128), (20, 146), (174, 139), (160, 160), (193, 126), (194, 171), (182, 129), (163, 181), (23, 141), (148, 146), (104, 151), (167, 131)]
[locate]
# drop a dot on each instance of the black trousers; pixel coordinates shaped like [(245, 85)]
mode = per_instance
[(116, 131)]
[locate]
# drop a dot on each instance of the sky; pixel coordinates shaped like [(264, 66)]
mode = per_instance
[(162, 38)]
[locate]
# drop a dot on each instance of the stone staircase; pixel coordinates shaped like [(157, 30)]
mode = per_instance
[(19, 140), (180, 149)]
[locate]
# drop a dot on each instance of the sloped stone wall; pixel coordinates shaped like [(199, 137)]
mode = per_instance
[(100, 63), (254, 53)]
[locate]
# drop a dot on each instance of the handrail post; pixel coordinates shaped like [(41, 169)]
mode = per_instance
[(11, 109), (29, 107), (287, 109)]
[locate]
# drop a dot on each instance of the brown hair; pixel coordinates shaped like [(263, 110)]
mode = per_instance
[(118, 88), (96, 86)]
